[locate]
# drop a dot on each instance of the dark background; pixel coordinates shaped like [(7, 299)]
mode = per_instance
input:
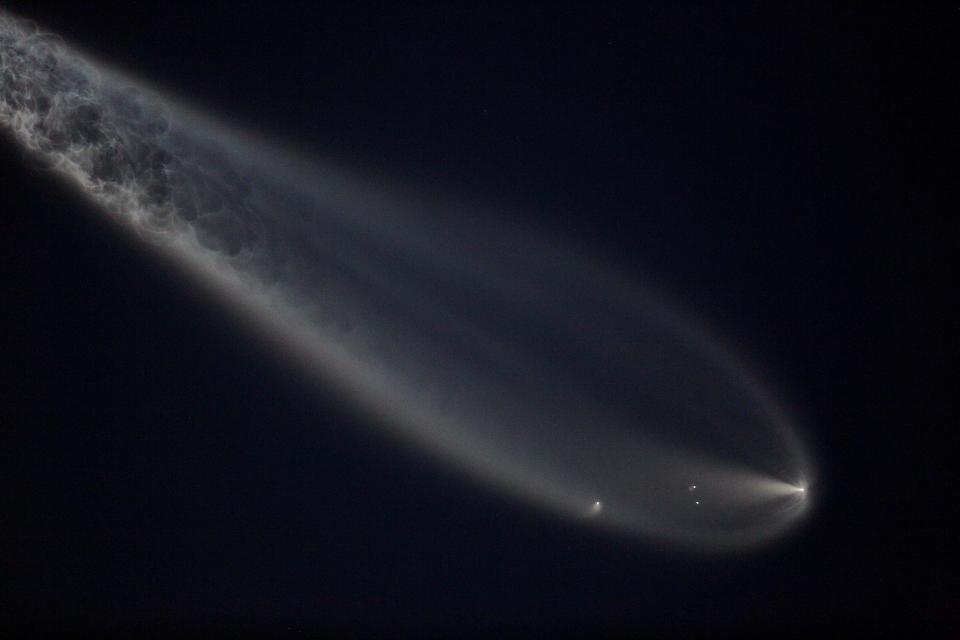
[(788, 170)]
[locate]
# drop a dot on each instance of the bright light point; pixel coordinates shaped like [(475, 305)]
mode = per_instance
[(595, 509), (692, 488), (697, 502)]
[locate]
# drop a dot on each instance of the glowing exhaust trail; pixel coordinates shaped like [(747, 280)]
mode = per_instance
[(519, 360)]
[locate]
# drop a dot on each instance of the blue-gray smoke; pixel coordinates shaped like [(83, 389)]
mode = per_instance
[(518, 359)]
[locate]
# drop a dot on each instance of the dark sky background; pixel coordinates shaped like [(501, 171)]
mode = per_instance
[(789, 170)]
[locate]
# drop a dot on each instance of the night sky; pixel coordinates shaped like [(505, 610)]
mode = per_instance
[(788, 170)]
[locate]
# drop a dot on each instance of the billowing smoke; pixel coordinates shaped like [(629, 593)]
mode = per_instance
[(513, 357)]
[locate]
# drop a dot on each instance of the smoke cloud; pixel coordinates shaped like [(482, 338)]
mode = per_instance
[(514, 357)]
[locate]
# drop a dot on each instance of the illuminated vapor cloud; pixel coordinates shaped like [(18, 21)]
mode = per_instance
[(519, 360)]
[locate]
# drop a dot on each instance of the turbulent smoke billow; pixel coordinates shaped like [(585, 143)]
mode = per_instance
[(515, 358)]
